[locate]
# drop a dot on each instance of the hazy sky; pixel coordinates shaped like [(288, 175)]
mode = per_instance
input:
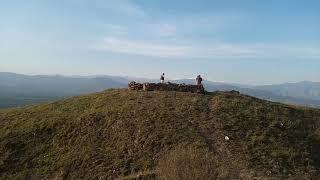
[(243, 41)]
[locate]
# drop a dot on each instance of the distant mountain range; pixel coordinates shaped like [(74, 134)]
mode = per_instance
[(17, 89)]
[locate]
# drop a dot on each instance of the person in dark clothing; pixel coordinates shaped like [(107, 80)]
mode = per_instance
[(162, 78), (199, 80)]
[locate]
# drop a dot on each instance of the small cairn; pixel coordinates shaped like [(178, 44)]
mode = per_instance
[(166, 87), (234, 92), (135, 86)]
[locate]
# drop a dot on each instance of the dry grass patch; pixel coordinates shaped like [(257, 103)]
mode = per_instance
[(187, 163)]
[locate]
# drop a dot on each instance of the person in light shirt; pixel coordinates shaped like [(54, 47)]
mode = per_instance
[(162, 78)]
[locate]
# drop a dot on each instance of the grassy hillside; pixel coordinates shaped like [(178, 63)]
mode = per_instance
[(121, 133)]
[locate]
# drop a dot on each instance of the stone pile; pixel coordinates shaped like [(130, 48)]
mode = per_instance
[(166, 87), (135, 86)]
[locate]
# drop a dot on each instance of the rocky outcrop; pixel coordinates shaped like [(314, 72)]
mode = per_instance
[(166, 87), (135, 86)]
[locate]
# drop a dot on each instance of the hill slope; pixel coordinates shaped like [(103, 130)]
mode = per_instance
[(117, 133)]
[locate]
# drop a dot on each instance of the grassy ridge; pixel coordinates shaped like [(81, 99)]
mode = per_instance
[(117, 133), (273, 139)]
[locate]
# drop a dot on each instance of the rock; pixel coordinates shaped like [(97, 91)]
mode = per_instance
[(166, 87), (234, 92), (135, 86), (173, 87)]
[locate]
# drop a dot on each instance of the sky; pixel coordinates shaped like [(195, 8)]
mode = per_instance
[(238, 41)]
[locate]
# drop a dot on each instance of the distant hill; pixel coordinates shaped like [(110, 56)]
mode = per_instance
[(125, 134), (18, 90), (303, 90)]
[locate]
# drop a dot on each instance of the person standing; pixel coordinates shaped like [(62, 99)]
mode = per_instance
[(162, 78), (199, 80)]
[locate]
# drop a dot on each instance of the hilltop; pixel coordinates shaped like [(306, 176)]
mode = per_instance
[(120, 133)]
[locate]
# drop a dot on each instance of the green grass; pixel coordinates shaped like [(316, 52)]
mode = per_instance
[(118, 133)]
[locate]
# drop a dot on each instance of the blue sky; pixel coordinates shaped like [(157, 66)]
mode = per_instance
[(240, 41)]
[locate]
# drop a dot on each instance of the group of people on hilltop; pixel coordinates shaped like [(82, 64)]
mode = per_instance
[(198, 79)]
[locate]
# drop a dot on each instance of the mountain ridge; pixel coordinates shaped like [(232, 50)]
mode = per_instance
[(18, 90)]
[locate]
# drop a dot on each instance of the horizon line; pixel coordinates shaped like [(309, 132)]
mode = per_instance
[(131, 77)]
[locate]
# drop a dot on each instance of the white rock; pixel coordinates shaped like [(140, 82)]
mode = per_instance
[(226, 138)]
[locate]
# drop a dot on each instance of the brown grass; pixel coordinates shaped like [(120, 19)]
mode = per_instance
[(187, 163), (118, 133)]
